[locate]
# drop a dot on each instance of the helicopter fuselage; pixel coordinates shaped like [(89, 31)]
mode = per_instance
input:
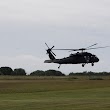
[(77, 58)]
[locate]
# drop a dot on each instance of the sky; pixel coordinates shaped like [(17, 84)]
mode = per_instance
[(25, 26)]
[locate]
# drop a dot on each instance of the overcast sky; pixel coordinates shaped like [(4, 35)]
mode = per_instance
[(25, 26)]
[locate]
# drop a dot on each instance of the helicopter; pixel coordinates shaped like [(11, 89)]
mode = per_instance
[(80, 57)]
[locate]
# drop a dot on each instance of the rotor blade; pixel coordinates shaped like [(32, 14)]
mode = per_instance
[(92, 45), (53, 53), (97, 48), (82, 49), (46, 45), (72, 49), (63, 49), (52, 47)]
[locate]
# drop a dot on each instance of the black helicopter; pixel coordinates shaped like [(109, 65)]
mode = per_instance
[(76, 58)]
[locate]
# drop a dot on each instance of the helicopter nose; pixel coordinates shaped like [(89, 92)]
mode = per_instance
[(97, 59)]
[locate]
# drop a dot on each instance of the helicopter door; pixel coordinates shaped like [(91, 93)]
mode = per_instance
[(87, 58)]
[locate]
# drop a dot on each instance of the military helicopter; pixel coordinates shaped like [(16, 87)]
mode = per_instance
[(80, 57)]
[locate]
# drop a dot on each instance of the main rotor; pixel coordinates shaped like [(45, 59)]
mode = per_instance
[(83, 49)]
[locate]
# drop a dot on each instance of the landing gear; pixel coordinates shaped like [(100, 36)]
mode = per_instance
[(59, 66), (83, 65), (92, 64)]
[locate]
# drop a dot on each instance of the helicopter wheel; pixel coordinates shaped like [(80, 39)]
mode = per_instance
[(59, 66), (83, 65), (92, 64)]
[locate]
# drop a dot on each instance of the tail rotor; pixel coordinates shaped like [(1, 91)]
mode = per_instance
[(49, 51)]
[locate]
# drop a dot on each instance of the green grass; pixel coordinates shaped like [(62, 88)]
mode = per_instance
[(54, 94)]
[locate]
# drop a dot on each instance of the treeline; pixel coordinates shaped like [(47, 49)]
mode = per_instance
[(9, 71), (47, 73), (89, 73), (22, 72)]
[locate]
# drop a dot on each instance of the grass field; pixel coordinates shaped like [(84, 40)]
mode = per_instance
[(40, 93)]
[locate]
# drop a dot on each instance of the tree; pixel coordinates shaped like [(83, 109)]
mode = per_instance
[(53, 73), (19, 71), (38, 73), (6, 71), (47, 73), (1, 73)]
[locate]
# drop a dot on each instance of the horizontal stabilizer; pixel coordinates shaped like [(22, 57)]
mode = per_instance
[(48, 61)]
